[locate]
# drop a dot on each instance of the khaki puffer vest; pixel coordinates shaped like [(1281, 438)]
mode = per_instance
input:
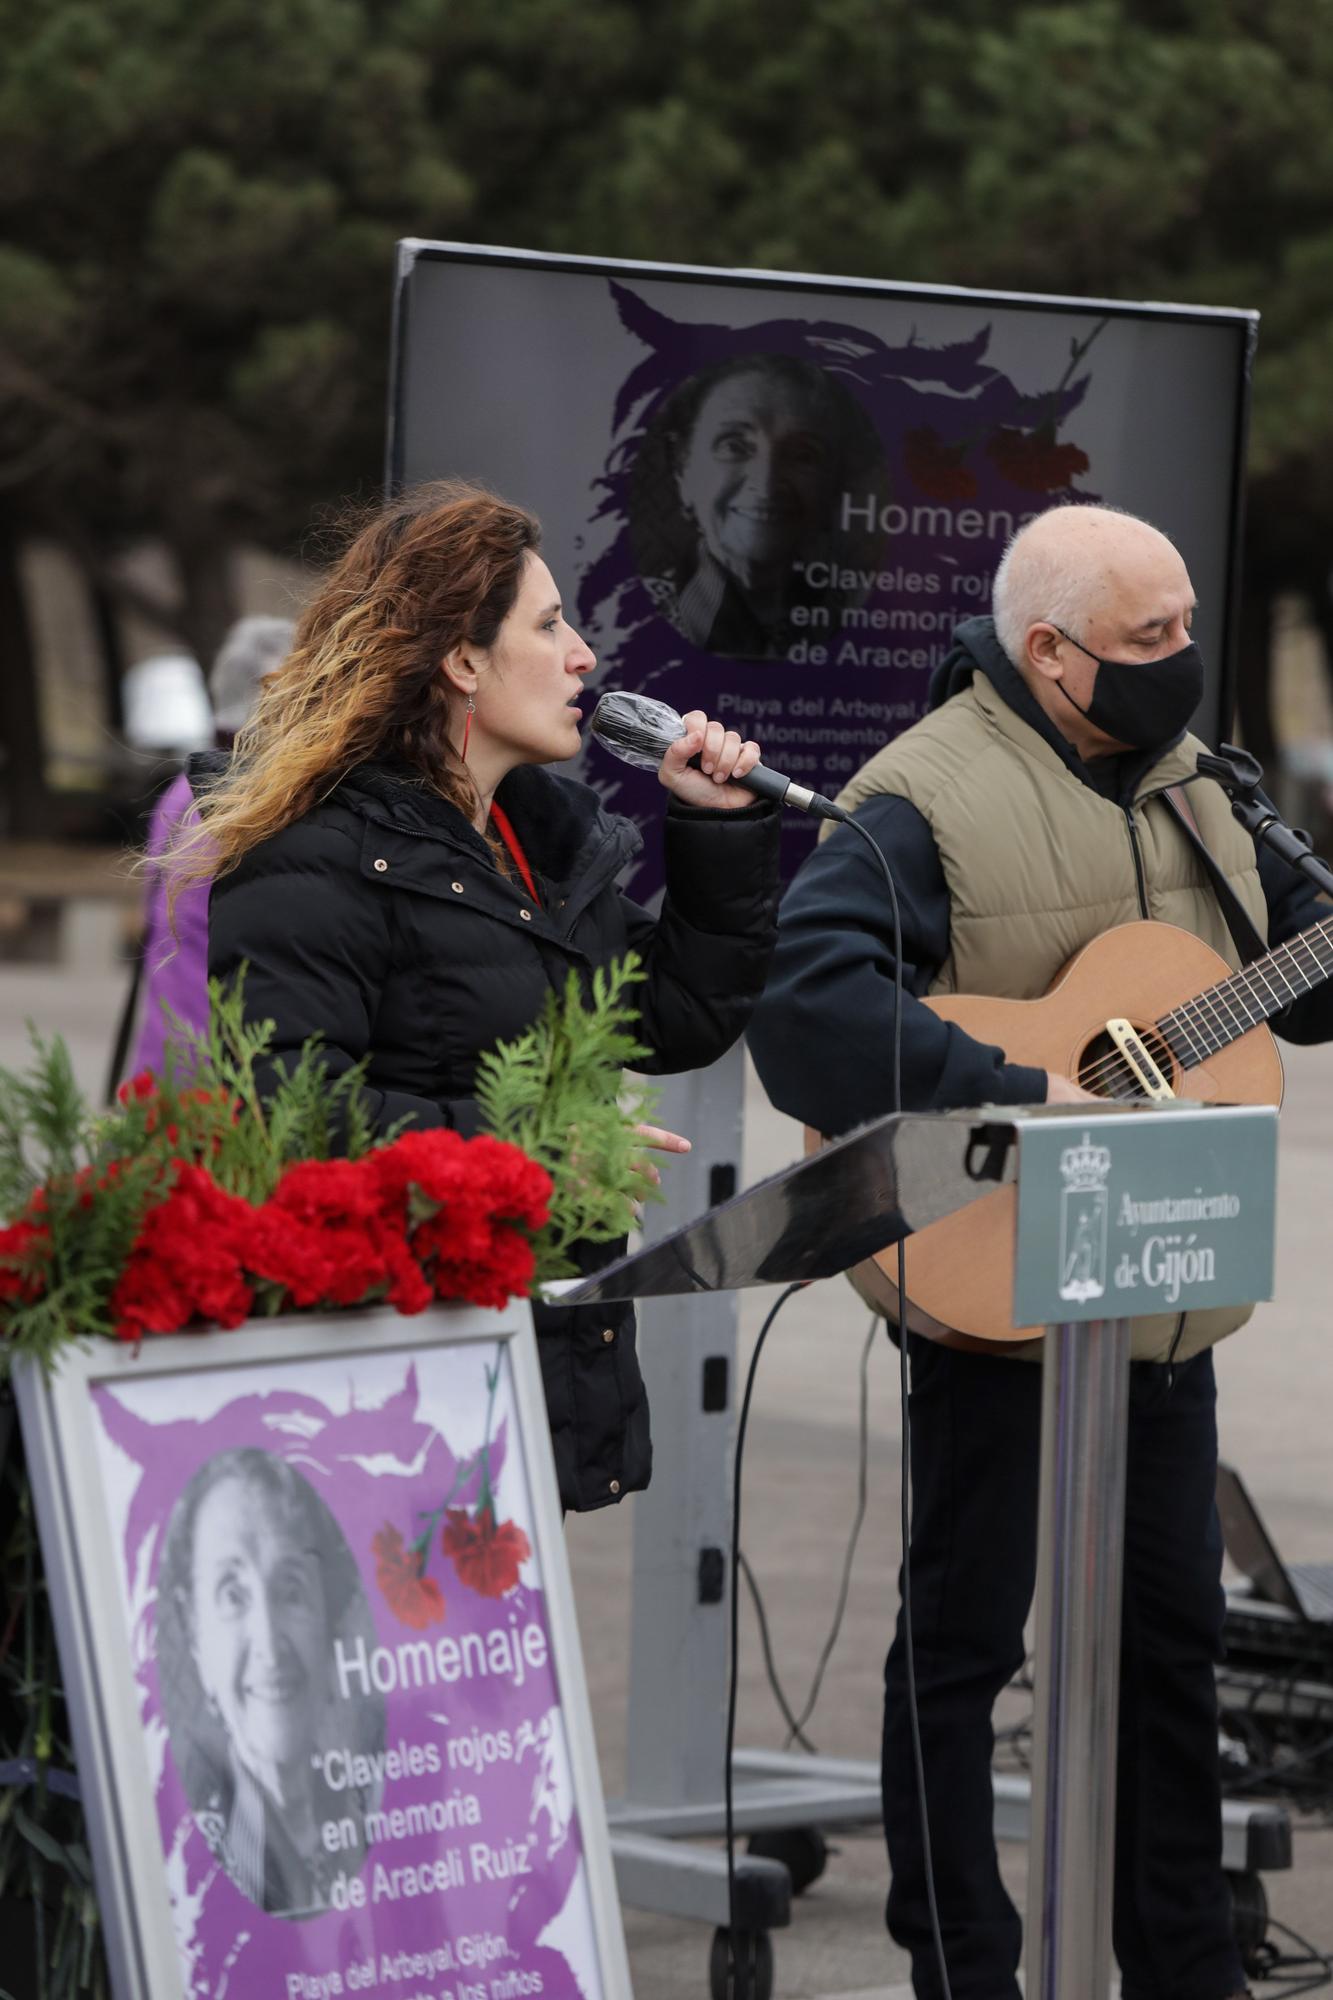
[(1038, 864)]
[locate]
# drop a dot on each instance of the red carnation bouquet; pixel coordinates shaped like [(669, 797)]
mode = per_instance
[(200, 1200)]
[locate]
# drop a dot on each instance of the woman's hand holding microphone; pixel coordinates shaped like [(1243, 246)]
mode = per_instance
[(722, 756)]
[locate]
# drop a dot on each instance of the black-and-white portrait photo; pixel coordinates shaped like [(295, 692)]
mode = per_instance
[(736, 499), (256, 1585)]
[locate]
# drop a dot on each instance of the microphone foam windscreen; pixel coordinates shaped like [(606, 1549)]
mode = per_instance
[(636, 728)]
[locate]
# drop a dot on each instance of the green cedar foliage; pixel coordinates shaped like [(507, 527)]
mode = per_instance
[(555, 1092), (306, 1116), (101, 1172)]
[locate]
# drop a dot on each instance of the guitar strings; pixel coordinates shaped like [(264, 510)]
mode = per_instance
[(1104, 1076), (1241, 988), (1212, 1020), (1190, 1021), (1203, 1021), (1115, 1067)]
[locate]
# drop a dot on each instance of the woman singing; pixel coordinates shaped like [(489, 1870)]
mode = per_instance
[(401, 873)]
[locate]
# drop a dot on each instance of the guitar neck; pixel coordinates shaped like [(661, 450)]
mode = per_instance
[(1227, 1011)]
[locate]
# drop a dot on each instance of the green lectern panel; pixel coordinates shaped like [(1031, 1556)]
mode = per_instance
[(1165, 1211)]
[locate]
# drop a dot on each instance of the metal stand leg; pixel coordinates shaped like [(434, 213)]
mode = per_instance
[(678, 1626), (1080, 1561), (678, 1637)]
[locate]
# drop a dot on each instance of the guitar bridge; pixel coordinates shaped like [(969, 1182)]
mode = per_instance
[(1145, 1071)]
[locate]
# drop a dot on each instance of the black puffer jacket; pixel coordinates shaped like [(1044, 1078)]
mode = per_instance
[(381, 921)]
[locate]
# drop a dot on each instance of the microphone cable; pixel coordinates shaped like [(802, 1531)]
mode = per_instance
[(904, 1391), (739, 1972)]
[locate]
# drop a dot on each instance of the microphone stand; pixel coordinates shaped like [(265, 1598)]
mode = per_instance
[(1239, 774)]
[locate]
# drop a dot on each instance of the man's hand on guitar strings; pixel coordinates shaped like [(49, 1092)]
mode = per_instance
[(1059, 1090)]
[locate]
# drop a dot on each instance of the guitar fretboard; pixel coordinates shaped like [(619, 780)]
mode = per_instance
[(1230, 1009)]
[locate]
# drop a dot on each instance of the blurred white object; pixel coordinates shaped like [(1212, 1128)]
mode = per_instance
[(254, 647), (166, 704)]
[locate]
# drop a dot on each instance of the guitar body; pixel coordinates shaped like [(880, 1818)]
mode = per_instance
[(960, 1272)]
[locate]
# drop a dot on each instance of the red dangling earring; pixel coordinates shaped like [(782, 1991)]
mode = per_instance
[(467, 726)]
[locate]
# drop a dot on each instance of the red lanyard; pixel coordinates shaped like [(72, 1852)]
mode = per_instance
[(518, 857)]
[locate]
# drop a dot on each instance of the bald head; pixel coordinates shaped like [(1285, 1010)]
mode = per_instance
[(1112, 582)]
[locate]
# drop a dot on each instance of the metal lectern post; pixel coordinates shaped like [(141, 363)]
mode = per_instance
[(1080, 1544)]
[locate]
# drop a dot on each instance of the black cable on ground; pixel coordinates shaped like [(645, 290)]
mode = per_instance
[(1306, 1970), (1287, 1759), (1285, 1771)]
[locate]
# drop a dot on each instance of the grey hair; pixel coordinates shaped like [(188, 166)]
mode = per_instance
[(1035, 585), (252, 648), (1043, 586), (1040, 583)]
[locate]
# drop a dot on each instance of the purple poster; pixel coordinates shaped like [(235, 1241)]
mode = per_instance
[(796, 516), (775, 499), (346, 1688)]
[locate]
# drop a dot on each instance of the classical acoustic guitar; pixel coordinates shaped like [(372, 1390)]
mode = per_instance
[(1144, 1011)]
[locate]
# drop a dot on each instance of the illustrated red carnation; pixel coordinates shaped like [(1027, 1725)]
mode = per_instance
[(486, 1557), (24, 1250), (415, 1599), (938, 469), (1034, 461), (186, 1262)]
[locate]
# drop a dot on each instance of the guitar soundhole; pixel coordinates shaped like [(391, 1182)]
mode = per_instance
[(1103, 1069)]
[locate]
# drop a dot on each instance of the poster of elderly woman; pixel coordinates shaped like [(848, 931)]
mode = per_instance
[(319, 1640), (735, 496), (256, 1582)]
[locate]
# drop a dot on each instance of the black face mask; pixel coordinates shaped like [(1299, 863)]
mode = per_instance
[(1145, 703)]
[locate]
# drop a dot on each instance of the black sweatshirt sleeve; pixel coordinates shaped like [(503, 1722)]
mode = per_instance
[(708, 951), (822, 1036), (314, 960), (1293, 904)]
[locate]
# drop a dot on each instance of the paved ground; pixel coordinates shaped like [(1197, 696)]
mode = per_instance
[(801, 1486)]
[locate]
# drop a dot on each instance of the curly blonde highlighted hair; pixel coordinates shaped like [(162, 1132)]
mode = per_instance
[(436, 568)]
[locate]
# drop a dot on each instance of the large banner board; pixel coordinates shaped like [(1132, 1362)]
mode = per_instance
[(315, 1620), (774, 497)]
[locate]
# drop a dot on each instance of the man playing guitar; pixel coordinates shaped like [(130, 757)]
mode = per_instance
[(1049, 797)]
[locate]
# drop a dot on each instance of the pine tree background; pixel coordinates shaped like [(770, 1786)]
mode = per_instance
[(199, 201)]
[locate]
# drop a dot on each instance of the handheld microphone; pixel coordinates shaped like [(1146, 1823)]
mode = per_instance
[(640, 731)]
